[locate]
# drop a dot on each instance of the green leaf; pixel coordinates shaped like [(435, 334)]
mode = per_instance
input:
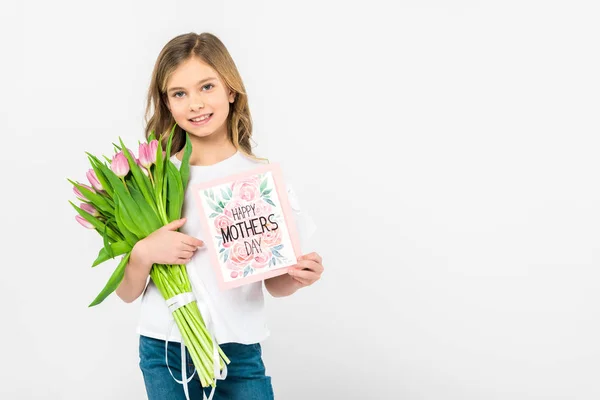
[(148, 213), (97, 200), (270, 202), (132, 223), (98, 225), (113, 282), (129, 236), (213, 215), (175, 192), (105, 240), (97, 166), (165, 167), (266, 192), (116, 248), (151, 136), (130, 211), (263, 185), (214, 206), (184, 170), (170, 141), (225, 195), (142, 181), (158, 165)]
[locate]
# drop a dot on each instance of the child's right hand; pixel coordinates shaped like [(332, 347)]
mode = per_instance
[(166, 246)]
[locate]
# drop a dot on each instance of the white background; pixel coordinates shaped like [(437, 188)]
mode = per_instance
[(448, 152)]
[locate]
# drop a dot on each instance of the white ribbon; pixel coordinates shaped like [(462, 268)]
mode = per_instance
[(174, 303)]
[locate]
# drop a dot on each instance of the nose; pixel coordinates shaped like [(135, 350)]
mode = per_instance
[(196, 102)]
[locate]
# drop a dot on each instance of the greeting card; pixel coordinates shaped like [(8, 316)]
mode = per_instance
[(251, 230)]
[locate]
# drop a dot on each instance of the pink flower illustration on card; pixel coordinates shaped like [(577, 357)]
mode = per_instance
[(263, 209), (238, 256), (246, 189), (261, 260), (222, 222), (271, 238)]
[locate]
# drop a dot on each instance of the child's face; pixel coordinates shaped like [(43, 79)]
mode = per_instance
[(195, 89)]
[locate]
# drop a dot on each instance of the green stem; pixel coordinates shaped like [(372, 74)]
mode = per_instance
[(172, 280), (200, 331), (186, 336), (125, 184), (195, 314), (150, 176)]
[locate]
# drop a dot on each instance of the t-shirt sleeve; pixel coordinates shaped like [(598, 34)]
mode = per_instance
[(304, 222)]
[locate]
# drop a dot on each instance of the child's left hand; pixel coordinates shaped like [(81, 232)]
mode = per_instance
[(308, 270)]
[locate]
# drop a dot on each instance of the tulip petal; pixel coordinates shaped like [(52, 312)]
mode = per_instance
[(84, 222), (93, 179)]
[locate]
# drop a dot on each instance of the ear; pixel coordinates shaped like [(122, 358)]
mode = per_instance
[(231, 96)]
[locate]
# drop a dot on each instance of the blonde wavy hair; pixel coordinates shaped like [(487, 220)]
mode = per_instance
[(208, 48)]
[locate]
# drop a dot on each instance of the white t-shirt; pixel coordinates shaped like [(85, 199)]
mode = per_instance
[(237, 314)]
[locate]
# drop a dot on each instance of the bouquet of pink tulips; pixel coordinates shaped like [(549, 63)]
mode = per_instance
[(128, 200)]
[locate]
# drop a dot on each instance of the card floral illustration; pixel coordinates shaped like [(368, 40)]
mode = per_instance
[(248, 218)]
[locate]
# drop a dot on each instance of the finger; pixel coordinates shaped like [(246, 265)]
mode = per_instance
[(307, 275), (310, 265), (312, 256), (303, 281), (183, 260), (191, 241), (186, 247), (174, 225), (186, 253)]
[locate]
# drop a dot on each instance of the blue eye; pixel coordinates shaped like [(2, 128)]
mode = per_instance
[(203, 87)]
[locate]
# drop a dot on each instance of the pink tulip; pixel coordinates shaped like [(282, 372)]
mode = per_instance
[(119, 165), (91, 175), (136, 159), (153, 145), (78, 192), (84, 222), (90, 209), (144, 152), (144, 170)]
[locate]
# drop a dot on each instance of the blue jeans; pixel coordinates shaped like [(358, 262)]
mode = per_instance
[(245, 379)]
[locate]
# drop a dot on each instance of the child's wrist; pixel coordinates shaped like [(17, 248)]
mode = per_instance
[(139, 257)]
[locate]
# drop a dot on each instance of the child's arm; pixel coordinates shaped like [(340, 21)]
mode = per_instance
[(282, 285), (135, 277), (163, 246), (307, 271)]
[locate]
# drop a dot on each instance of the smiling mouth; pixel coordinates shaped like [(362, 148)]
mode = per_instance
[(200, 119)]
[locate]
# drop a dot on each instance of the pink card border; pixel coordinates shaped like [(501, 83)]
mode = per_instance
[(275, 169)]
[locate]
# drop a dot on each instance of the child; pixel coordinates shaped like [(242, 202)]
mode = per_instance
[(196, 85)]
